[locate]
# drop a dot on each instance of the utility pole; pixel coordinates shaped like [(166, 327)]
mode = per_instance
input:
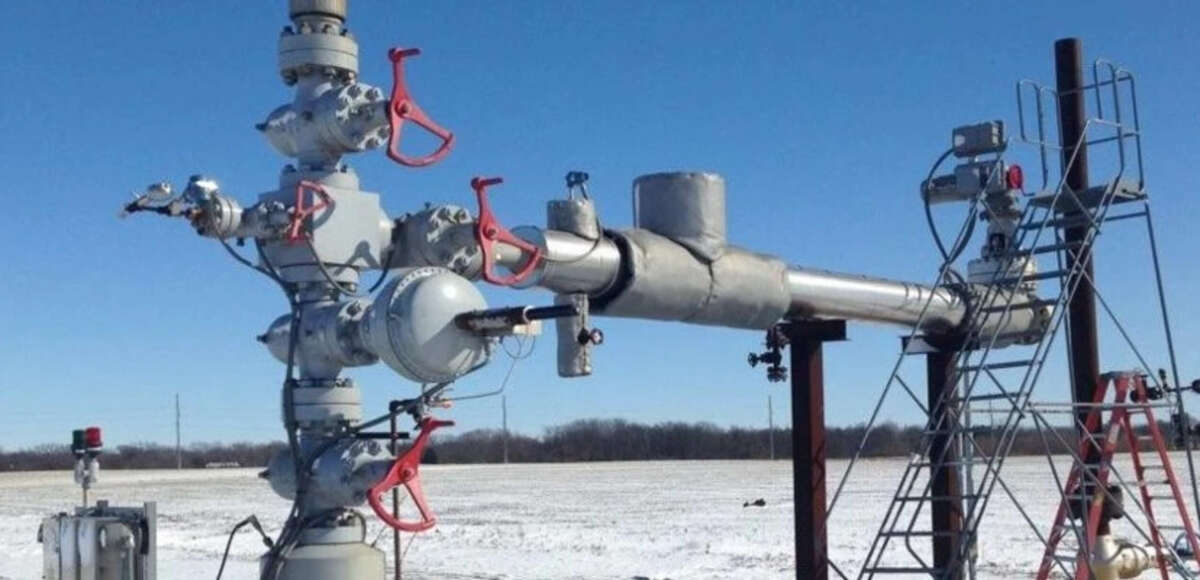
[(504, 423), (178, 440), (770, 428)]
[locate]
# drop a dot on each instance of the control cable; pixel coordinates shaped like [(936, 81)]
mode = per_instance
[(250, 521)]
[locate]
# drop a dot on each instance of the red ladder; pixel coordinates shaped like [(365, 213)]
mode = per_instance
[(1119, 423)]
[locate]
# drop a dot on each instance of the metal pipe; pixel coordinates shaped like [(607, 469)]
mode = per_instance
[(946, 505), (600, 268), (806, 341), (822, 294), (571, 264), (1081, 309)]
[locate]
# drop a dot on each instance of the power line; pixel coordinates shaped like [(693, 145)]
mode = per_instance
[(771, 427), (504, 423), (178, 446)]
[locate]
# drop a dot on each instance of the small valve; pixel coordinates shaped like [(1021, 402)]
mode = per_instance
[(592, 336), (577, 183), (488, 232), (402, 107), (773, 357), (158, 198)]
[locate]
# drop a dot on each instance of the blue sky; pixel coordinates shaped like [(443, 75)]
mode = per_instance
[(822, 117)]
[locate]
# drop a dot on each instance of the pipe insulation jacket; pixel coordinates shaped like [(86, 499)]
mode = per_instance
[(640, 274), (666, 281), (676, 265)]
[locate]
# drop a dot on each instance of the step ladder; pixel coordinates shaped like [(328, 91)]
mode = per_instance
[(949, 441), (1086, 495)]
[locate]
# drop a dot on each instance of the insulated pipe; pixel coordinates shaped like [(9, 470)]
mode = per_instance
[(573, 264), (675, 264), (602, 269)]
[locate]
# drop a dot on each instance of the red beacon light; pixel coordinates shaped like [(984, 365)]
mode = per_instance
[(91, 439), (1015, 177)]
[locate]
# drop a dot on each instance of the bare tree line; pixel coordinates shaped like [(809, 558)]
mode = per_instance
[(142, 456), (582, 440)]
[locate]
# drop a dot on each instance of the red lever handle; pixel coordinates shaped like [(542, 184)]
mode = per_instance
[(488, 231), (302, 211), (402, 108), (405, 471)]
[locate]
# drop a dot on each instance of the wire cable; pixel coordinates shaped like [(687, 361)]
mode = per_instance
[(521, 355), (250, 521), (960, 244), (329, 275)]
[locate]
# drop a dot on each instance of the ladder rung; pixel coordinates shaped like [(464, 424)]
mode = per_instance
[(1012, 364), (902, 570), (959, 431), (956, 463), (1113, 192), (920, 534), (990, 397), (912, 498)]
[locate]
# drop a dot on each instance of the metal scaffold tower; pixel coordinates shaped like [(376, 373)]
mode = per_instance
[(932, 523)]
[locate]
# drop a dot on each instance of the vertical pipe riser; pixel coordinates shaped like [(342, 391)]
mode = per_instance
[(1081, 309), (806, 341), (947, 511)]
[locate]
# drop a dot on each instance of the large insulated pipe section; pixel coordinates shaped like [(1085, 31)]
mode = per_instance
[(676, 265)]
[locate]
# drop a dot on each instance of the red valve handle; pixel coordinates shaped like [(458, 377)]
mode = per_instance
[(405, 471), (488, 231), (402, 108), (302, 211)]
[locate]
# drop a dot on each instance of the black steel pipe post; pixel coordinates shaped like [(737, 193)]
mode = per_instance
[(394, 447), (1081, 309), (806, 340), (946, 503)]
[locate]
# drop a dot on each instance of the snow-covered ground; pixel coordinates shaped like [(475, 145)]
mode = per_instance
[(658, 520)]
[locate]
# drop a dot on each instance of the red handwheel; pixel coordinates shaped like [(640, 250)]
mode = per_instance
[(406, 471), (303, 210), (488, 231), (403, 108)]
